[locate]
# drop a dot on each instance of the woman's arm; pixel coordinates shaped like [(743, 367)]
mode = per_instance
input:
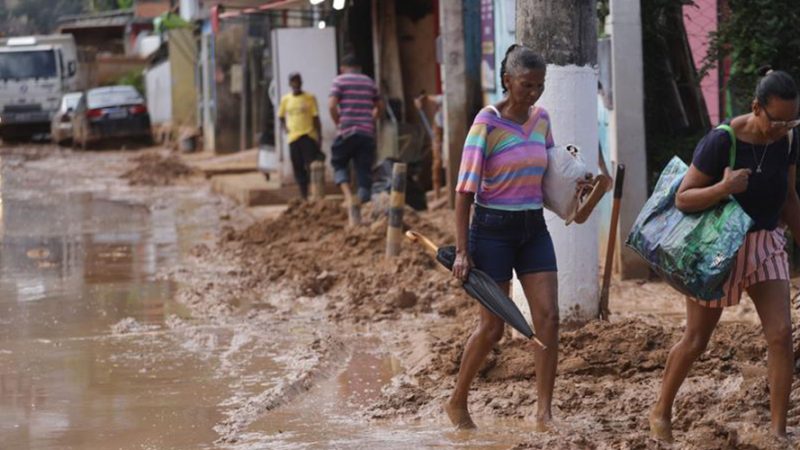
[(790, 213), (698, 193), (462, 263)]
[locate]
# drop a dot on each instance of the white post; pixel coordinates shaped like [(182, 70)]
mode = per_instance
[(565, 34), (626, 125), (190, 9)]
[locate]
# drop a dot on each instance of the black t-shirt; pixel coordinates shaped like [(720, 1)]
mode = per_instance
[(766, 191)]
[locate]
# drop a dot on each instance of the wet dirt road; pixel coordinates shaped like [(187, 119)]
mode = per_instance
[(143, 317), (88, 356), (96, 351)]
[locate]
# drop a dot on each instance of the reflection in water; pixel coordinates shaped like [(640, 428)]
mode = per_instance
[(71, 266)]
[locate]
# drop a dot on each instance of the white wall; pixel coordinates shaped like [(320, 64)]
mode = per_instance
[(312, 53), (190, 10), (158, 84)]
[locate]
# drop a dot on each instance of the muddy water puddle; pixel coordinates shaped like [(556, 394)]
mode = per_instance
[(330, 415), (87, 357)]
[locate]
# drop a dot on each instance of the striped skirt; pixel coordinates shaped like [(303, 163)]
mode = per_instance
[(763, 257)]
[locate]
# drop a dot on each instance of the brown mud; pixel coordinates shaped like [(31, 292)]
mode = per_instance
[(156, 169), (609, 372)]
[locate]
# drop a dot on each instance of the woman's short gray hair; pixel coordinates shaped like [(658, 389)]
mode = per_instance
[(518, 57)]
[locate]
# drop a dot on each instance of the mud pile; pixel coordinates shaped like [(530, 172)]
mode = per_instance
[(153, 169), (608, 378), (310, 248)]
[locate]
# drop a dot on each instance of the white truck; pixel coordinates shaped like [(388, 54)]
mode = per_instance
[(35, 72)]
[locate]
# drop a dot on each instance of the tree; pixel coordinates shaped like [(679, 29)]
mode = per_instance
[(754, 33), (39, 16)]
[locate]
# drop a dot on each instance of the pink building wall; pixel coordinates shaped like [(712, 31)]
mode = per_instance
[(699, 20)]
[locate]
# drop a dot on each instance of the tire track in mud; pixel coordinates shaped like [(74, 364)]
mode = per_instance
[(260, 317), (305, 368)]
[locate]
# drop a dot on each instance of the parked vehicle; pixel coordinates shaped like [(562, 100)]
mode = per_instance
[(35, 72), (111, 112), (61, 125)]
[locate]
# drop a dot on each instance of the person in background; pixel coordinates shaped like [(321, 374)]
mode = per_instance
[(763, 182), (354, 106), (299, 118), (423, 102)]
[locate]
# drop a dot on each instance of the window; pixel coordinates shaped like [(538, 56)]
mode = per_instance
[(28, 64)]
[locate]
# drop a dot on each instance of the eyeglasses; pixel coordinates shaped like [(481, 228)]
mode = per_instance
[(781, 123)]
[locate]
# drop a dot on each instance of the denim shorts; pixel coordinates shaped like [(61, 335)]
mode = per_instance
[(500, 241), (360, 149)]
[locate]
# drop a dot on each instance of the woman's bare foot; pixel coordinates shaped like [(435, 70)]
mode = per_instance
[(544, 423), (459, 416), (660, 427), (779, 432)]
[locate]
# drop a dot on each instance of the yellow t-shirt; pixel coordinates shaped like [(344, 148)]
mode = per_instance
[(299, 112)]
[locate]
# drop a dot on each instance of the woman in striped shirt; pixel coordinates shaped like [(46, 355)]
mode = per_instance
[(504, 158)]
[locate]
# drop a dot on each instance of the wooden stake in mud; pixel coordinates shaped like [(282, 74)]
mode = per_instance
[(612, 242), (317, 191), (394, 232)]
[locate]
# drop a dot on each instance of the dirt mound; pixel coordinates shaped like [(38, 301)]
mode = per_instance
[(310, 247), (153, 169), (609, 375)]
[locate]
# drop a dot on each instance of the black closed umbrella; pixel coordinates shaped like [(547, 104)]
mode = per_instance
[(481, 287)]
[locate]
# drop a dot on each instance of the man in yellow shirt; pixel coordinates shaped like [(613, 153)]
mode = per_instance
[(300, 121)]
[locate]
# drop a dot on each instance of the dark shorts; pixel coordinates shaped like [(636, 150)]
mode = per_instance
[(500, 241), (360, 149)]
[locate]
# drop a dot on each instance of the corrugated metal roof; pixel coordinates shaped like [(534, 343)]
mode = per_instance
[(116, 18)]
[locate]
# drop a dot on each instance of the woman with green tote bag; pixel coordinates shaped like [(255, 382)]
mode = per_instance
[(762, 180)]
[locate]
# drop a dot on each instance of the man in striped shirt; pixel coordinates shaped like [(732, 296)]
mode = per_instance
[(354, 106)]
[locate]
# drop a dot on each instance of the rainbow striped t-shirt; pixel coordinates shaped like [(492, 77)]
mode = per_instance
[(503, 162)]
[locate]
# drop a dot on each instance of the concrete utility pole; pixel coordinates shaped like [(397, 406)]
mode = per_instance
[(564, 32), (454, 81), (627, 130)]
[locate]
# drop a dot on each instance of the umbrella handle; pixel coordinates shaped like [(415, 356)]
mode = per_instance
[(419, 238), (414, 236)]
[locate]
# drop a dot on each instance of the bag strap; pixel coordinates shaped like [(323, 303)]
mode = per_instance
[(732, 158)]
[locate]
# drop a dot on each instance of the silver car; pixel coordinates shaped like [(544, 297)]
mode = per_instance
[(61, 124)]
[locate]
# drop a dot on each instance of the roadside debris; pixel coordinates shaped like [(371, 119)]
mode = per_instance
[(153, 169)]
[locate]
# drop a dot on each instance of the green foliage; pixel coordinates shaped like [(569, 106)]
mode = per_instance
[(38, 16), (133, 78), (102, 5), (41, 16), (603, 10), (756, 33)]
